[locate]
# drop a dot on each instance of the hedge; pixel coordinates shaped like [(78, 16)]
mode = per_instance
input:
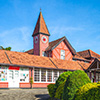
[(59, 91), (51, 89), (62, 78), (90, 91), (77, 79)]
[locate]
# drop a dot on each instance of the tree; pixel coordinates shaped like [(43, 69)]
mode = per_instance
[(7, 48)]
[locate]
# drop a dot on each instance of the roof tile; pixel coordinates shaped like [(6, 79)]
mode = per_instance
[(41, 26), (20, 58)]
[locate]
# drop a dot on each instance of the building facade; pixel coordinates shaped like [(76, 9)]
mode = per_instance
[(45, 61)]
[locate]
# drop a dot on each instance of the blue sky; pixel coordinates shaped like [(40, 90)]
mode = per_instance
[(78, 20)]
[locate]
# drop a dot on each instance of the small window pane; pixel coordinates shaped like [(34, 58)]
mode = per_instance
[(55, 77), (43, 75), (37, 75), (49, 76), (62, 54)]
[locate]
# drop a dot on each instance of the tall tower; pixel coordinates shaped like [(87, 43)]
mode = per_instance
[(40, 36)]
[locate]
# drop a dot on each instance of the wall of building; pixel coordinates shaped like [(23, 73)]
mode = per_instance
[(43, 45), (56, 53), (36, 45), (24, 75)]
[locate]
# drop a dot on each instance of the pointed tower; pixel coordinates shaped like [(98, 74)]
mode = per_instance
[(40, 36)]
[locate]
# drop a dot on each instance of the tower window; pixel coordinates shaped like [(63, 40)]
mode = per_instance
[(62, 54)]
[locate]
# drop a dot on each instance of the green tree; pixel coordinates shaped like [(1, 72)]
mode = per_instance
[(7, 48)]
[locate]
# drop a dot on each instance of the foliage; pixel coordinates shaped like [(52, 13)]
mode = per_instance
[(77, 79), (31, 80), (63, 77), (8, 48), (50, 89), (90, 91), (59, 91)]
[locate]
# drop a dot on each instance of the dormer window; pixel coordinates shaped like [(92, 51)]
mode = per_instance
[(62, 54)]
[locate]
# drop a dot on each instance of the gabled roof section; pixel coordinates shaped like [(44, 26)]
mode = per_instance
[(80, 58), (55, 43), (31, 51), (41, 26), (88, 54), (94, 65)]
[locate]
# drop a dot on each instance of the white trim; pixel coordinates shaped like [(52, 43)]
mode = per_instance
[(40, 75), (44, 82), (46, 75), (52, 73)]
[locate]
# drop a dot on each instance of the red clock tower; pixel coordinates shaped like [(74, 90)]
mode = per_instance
[(40, 36)]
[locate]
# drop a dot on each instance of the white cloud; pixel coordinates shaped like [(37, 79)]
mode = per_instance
[(64, 30), (17, 38)]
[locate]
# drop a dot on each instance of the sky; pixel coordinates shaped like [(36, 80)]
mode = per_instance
[(78, 20)]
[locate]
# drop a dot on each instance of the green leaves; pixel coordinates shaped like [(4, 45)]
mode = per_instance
[(77, 79), (51, 89), (90, 91), (7, 48)]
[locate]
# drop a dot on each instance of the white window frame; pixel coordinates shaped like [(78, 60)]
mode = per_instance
[(25, 70), (62, 54), (7, 75), (46, 76)]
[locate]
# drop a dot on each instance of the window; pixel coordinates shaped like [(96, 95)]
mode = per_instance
[(60, 72), (46, 75), (24, 74), (43, 75), (55, 77), (49, 76), (37, 75), (44, 54), (62, 54), (3, 74)]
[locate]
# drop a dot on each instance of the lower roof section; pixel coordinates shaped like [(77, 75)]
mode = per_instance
[(21, 59)]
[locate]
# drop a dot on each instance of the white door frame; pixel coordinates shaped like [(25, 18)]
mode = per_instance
[(13, 78)]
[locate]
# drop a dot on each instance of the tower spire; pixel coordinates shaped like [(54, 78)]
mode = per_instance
[(41, 27)]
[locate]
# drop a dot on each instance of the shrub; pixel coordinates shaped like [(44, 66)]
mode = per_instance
[(63, 77), (51, 89), (77, 79), (59, 91), (90, 91)]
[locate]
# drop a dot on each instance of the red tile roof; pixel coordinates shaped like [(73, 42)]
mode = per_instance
[(25, 59), (79, 57), (84, 65), (55, 43), (40, 26), (88, 54), (3, 57), (65, 64), (31, 51)]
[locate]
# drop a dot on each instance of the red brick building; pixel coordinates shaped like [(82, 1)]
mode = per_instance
[(45, 62)]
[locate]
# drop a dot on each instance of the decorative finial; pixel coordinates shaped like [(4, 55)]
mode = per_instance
[(40, 9)]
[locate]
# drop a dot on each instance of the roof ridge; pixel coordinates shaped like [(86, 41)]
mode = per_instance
[(89, 53), (81, 65), (53, 63), (58, 39), (8, 57)]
